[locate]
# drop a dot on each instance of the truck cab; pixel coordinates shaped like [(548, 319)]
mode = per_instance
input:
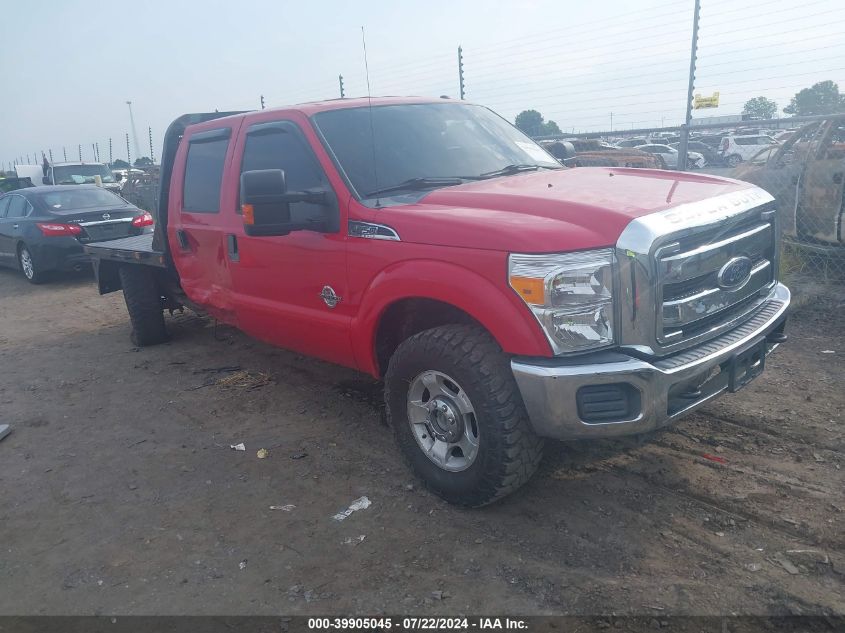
[(504, 299), (79, 173)]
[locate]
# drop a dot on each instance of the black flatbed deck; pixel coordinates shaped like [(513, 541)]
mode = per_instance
[(138, 249)]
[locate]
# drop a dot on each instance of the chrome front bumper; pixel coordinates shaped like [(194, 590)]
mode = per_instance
[(663, 389)]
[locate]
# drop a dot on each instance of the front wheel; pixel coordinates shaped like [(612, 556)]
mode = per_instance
[(458, 416), (28, 267), (734, 160)]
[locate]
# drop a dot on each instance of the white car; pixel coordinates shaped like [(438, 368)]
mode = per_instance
[(735, 149), (669, 156)]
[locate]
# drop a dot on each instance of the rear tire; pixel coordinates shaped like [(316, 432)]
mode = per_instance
[(502, 453), (144, 303), (734, 160), (30, 270)]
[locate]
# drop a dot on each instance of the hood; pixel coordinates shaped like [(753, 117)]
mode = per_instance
[(546, 211)]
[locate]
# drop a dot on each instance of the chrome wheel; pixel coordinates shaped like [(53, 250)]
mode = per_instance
[(442, 421), (27, 266)]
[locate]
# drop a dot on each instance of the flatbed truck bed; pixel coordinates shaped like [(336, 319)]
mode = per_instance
[(135, 249)]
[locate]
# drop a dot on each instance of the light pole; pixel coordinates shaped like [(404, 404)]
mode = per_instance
[(134, 131)]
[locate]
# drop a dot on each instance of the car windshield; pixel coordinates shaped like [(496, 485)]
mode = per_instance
[(80, 174), (71, 199), (411, 143)]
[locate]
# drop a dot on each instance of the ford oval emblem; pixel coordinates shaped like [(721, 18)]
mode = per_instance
[(735, 273), (106, 216)]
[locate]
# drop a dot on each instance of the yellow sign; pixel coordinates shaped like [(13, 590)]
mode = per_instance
[(700, 102)]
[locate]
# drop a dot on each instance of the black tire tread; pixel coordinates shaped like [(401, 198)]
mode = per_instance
[(474, 350), (143, 301)]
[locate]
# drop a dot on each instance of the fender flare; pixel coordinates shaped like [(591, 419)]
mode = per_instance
[(500, 312)]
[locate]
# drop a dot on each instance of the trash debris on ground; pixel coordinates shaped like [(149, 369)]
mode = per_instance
[(237, 447), (786, 564), (714, 458), (754, 567), (828, 351), (437, 595), (354, 541), (286, 508), (818, 458), (245, 380), (299, 455), (361, 503), (810, 556), (242, 564), (5, 429), (262, 453)]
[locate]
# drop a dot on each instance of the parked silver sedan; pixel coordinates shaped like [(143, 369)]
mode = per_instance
[(669, 156)]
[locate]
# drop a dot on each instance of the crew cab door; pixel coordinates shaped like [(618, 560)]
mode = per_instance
[(820, 208), (195, 227), (7, 254), (290, 289)]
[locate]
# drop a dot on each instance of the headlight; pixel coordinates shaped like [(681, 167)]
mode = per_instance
[(571, 294)]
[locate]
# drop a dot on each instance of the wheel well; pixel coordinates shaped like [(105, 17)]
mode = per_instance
[(407, 317)]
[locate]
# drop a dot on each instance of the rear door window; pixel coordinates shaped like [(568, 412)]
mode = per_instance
[(4, 205), (204, 171), (17, 207)]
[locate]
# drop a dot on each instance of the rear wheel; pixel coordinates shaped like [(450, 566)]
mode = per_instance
[(28, 266), (458, 416), (734, 160), (144, 303)]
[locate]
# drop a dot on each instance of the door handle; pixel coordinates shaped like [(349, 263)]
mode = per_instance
[(232, 247), (14, 226), (184, 244)]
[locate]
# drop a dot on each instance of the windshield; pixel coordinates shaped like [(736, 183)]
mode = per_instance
[(70, 199), (80, 174), (424, 141)]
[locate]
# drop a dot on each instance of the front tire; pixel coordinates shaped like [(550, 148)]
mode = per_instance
[(458, 416), (143, 301), (734, 160), (29, 268)]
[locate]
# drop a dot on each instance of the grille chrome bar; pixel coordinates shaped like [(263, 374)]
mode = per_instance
[(712, 256)]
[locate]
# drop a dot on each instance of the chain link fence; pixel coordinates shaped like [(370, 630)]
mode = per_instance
[(801, 162)]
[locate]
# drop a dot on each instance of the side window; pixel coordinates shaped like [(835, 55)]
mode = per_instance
[(277, 146), (17, 207), (204, 171), (4, 205)]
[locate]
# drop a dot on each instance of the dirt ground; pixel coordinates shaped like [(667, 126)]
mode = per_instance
[(120, 495)]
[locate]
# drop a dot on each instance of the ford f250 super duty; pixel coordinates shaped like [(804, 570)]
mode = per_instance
[(503, 299)]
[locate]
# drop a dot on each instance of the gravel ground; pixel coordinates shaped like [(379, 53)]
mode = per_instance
[(120, 493)]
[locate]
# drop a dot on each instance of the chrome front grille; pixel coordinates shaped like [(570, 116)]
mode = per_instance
[(687, 274), (673, 282)]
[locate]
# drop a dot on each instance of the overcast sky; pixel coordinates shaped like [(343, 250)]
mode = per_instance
[(69, 67)]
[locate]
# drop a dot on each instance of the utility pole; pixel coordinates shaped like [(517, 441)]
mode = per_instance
[(134, 131), (110, 155), (461, 72), (682, 147), (51, 156), (611, 121), (340, 83), (97, 151), (128, 155), (79, 147), (64, 152), (262, 102), (152, 157), (94, 152)]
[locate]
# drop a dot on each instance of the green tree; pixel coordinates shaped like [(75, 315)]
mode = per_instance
[(143, 161), (760, 108), (531, 122), (120, 164), (821, 98)]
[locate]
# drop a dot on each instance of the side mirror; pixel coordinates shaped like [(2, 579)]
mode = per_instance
[(265, 204)]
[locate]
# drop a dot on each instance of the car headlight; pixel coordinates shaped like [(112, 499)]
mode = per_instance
[(571, 294)]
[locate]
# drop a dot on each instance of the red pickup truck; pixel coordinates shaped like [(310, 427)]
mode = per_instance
[(503, 299)]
